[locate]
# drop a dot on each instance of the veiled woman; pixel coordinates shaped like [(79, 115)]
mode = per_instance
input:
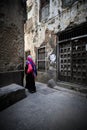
[(31, 73)]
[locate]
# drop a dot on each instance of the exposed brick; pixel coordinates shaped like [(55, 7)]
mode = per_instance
[(11, 35)]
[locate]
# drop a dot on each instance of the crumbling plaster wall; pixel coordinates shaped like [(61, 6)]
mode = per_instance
[(59, 19), (44, 31), (31, 33)]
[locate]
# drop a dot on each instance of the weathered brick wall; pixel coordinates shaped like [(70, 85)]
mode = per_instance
[(12, 18), (11, 35)]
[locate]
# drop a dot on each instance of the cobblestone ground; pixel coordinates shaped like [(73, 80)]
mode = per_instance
[(47, 109)]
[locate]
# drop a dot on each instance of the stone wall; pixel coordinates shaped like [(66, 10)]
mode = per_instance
[(11, 35), (10, 77), (12, 19)]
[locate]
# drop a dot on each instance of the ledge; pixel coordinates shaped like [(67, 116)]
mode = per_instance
[(11, 94)]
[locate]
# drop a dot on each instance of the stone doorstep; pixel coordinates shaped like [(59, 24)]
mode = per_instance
[(11, 94), (72, 86)]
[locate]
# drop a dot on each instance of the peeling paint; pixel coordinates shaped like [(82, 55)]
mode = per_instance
[(59, 19)]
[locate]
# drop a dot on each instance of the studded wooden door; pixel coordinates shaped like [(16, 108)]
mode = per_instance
[(73, 60), (72, 54), (79, 60), (65, 61)]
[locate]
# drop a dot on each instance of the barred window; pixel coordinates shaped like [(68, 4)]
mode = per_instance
[(44, 12), (44, 9), (41, 58), (68, 2), (75, 32)]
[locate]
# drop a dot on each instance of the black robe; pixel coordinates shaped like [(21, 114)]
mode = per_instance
[(30, 81)]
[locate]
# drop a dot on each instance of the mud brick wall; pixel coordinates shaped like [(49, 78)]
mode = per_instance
[(12, 19), (12, 16)]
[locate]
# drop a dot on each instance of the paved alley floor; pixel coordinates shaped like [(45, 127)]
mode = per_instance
[(47, 109)]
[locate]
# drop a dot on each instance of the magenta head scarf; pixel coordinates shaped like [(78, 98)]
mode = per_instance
[(29, 60)]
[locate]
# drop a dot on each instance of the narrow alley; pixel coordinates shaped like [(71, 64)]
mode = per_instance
[(49, 37), (47, 109)]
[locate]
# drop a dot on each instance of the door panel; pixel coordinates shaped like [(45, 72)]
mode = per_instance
[(65, 61), (73, 60), (79, 60)]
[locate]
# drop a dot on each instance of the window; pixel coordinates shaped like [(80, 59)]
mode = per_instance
[(41, 58), (68, 2), (75, 32), (44, 9), (44, 12)]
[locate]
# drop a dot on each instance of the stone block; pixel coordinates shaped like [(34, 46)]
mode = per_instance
[(51, 83), (11, 94)]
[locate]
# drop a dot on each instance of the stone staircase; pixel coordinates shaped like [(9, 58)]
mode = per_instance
[(11, 94), (73, 86)]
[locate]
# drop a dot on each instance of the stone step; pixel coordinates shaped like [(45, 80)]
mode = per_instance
[(11, 94), (73, 86)]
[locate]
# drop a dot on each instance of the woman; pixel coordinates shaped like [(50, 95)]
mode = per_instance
[(31, 73)]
